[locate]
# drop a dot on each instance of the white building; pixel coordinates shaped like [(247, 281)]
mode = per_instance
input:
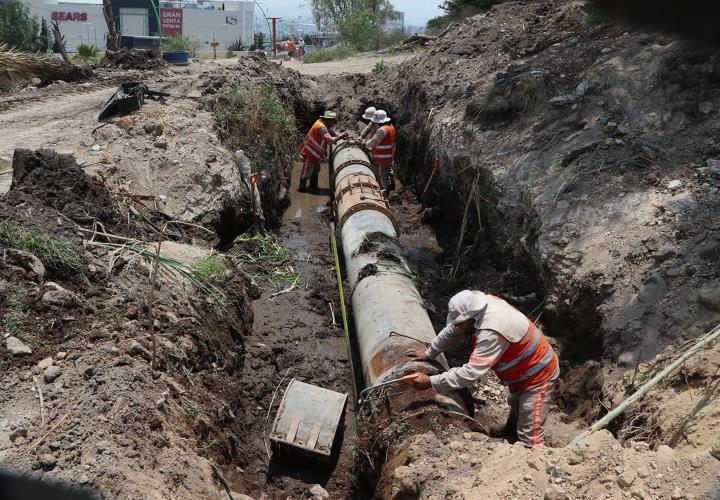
[(83, 21), (79, 22)]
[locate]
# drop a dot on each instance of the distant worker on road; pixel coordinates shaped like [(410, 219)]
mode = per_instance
[(301, 47), (314, 148), (290, 47), (370, 127), (382, 147), (506, 341)]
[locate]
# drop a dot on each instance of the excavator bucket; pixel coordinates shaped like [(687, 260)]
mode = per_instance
[(307, 420)]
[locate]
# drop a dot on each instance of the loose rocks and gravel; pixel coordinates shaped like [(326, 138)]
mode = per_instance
[(133, 59), (594, 149)]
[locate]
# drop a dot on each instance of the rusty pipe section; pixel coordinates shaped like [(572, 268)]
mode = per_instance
[(388, 311)]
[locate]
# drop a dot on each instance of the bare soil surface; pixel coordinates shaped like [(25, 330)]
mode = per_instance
[(593, 151), (361, 64)]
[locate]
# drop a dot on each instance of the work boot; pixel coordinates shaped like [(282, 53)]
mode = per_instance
[(507, 431), (314, 183), (303, 186)]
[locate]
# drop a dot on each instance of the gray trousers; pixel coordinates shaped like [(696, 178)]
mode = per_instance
[(310, 170), (528, 412)]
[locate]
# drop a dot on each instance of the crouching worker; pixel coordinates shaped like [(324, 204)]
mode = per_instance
[(314, 148), (506, 341)]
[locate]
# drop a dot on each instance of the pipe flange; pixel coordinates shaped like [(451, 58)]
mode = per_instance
[(356, 181), (368, 205), (344, 164)]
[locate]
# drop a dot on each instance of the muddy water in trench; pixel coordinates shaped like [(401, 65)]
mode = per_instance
[(294, 334), (298, 330)]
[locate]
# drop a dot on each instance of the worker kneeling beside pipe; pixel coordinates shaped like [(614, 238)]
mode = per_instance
[(506, 341)]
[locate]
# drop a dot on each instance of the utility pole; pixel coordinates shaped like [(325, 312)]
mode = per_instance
[(274, 34)]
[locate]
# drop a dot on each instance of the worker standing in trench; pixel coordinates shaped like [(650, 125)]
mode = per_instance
[(370, 127), (382, 147), (506, 341), (314, 148)]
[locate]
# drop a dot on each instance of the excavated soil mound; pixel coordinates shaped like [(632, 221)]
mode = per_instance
[(133, 59), (55, 180)]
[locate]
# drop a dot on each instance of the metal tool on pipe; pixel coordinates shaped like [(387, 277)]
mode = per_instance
[(406, 379)]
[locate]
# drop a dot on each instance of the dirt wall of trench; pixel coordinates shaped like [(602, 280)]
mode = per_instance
[(593, 148)]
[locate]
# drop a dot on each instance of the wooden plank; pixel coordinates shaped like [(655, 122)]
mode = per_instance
[(292, 430), (313, 436)]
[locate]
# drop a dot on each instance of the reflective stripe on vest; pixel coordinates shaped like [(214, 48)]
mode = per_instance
[(314, 143), (526, 363), (384, 153)]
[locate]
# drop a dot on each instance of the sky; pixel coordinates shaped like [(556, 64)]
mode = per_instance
[(417, 12)]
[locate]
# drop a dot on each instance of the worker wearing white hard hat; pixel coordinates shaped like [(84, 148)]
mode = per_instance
[(370, 127), (503, 340), (382, 147)]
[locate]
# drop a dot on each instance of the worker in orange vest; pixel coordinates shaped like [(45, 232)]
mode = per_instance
[(506, 341), (290, 47), (314, 148), (382, 148)]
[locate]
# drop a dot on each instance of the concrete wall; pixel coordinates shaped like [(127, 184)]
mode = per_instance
[(224, 26), (85, 23), (79, 22)]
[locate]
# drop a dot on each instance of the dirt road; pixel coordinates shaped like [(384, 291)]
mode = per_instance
[(358, 64)]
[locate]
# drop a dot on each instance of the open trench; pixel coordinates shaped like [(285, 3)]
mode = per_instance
[(299, 334)]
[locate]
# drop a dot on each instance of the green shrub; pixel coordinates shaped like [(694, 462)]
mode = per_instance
[(88, 54), (176, 43), (334, 53), (259, 123), (87, 51), (15, 319), (17, 28), (379, 66), (57, 256), (230, 54), (360, 23), (211, 267), (255, 114)]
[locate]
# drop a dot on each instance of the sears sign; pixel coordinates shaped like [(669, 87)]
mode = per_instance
[(69, 16)]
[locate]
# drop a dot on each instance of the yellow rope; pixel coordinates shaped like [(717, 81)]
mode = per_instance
[(343, 310)]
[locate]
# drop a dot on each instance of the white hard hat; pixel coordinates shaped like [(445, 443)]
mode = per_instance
[(465, 305), (380, 116), (369, 113)]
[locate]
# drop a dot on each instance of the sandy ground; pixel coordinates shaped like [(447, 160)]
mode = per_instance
[(358, 64)]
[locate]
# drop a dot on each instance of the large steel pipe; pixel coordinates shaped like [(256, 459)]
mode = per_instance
[(389, 313)]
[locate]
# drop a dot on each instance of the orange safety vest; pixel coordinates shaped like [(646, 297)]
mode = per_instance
[(384, 153), (526, 363), (314, 145)]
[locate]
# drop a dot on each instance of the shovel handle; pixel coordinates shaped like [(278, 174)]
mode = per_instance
[(436, 166)]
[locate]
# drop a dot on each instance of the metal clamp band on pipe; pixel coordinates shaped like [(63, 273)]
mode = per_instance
[(384, 297)]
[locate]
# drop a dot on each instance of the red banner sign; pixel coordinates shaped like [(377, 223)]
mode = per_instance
[(69, 16), (171, 21)]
